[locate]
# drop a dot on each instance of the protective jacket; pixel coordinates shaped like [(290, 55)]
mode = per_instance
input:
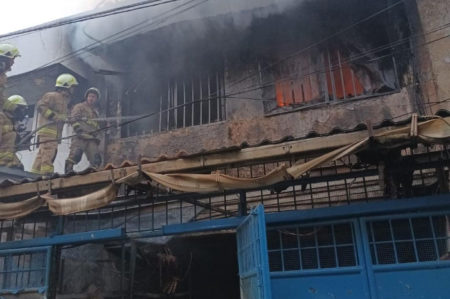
[(85, 124), (8, 141), (2, 98), (2, 95), (51, 107)]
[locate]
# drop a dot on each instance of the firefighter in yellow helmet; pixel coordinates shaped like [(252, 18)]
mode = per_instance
[(14, 109), (52, 114), (7, 55), (86, 127)]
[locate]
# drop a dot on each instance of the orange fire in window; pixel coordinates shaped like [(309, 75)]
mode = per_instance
[(341, 82)]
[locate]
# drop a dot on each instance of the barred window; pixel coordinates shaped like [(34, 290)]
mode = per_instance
[(312, 247), (23, 270), (409, 240)]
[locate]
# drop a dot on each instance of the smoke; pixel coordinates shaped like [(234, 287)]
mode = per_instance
[(152, 46), (113, 29)]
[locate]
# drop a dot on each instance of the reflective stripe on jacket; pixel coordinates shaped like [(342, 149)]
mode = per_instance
[(50, 105), (7, 141)]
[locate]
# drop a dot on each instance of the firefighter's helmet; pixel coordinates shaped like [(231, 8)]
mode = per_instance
[(93, 90), (13, 102), (66, 81), (9, 51)]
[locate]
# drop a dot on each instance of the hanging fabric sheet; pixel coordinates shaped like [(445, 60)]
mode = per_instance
[(434, 131)]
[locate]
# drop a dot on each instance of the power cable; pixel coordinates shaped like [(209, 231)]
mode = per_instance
[(344, 61), (91, 46), (230, 95), (82, 18), (85, 48), (430, 104), (323, 40), (143, 116)]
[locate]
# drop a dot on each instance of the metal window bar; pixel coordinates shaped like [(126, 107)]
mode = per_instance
[(411, 228), (421, 253), (330, 70), (218, 96), (281, 251), (160, 113), (435, 238), (175, 104), (341, 73), (329, 189), (193, 104), (19, 270), (168, 107), (184, 104), (313, 252), (393, 241), (332, 75)]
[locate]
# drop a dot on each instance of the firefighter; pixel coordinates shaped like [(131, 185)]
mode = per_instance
[(3, 80), (7, 55), (85, 125), (52, 114), (14, 110)]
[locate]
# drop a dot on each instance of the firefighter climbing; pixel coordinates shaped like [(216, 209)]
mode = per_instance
[(52, 114), (14, 110), (85, 124)]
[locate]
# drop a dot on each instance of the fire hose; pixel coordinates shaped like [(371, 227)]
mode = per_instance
[(69, 120)]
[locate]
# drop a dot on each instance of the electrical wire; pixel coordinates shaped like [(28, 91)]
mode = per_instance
[(430, 104), (96, 15), (120, 33), (147, 115), (323, 40), (88, 47), (283, 59), (331, 68)]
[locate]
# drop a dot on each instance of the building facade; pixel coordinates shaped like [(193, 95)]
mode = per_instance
[(241, 92)]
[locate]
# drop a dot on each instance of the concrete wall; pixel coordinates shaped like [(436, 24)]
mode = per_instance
[(246, 121), (88, 268), (248, 126), (433, 52)]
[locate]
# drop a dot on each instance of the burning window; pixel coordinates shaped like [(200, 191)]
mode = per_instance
[(297, 83), (341, 80), (332, 74)]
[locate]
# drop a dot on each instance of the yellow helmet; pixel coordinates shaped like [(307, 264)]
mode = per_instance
[(66, 81), (13, 101), (9, 51)]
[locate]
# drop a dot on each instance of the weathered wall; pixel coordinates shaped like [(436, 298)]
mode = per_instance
[(254, 128), (433, 52), (89, 268)]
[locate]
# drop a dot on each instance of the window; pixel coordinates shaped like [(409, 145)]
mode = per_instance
[(332, 75), (196, 101), (176, 103), (24, 270), (409, 240), (312, 247)]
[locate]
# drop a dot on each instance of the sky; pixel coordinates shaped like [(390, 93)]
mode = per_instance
[(21, 14)]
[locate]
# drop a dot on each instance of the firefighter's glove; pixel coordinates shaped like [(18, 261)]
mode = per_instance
[(58, 117)]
